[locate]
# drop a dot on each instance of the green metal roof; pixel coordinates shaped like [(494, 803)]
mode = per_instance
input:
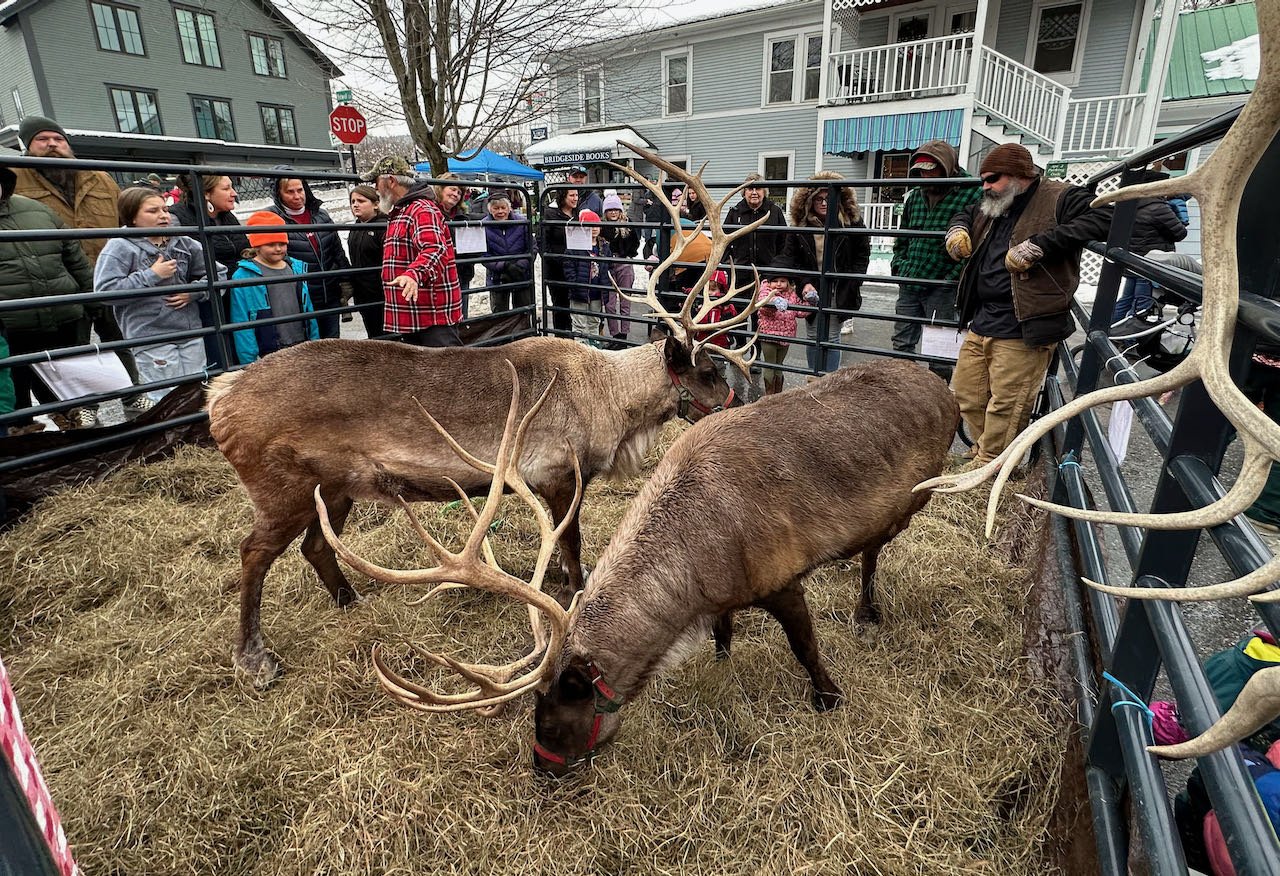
[(1229, 35)]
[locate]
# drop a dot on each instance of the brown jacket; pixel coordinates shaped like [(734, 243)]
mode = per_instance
[(95, 206), (1059, 219)]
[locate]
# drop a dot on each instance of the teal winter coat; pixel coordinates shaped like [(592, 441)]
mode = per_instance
[(251, 302)]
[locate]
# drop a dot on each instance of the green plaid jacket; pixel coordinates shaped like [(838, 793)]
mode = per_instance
[(923, 257)]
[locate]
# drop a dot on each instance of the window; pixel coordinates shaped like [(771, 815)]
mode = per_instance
[(812, 66), (677, 79), (198, 37), (892, 166), (277, 125), (776, 166), (213, 118), (782, 70), (117, 28), (268, 55), (591, 97), (963, 21), (136, 111), (1056, 38), (793, 68)]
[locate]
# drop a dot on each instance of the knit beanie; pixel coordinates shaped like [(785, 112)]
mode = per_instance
[(30, 127), (264, 217), (612, 202), (589, 216), (1012, 159)]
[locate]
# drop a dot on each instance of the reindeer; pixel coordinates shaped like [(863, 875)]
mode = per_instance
[(1218, 186), (739, 510), (334, 413)]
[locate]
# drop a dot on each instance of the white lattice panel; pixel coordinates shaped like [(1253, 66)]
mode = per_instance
[(1078, 174)]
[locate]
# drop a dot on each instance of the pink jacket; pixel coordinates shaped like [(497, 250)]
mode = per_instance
[(777, 322)]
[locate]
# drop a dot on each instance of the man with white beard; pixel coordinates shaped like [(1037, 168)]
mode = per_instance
[(423, 299), (1023, 239)]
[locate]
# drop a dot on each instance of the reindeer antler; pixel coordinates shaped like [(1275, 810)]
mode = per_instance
[(494, 685), (1217, 185), (1257, 704), (686, 323)]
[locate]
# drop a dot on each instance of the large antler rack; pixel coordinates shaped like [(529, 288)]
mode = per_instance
[(493, 685), (1218, 186), (687, 324)]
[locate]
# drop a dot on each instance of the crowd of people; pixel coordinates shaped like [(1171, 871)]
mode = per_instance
[(1012, 244)]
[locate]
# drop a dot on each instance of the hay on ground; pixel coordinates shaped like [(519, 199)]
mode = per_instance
[(943, 759)]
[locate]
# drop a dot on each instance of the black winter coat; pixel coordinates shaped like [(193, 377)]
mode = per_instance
[(1156, 228), (365, 246), (758, 248), (227, 248), (850, 254), (326, 254)]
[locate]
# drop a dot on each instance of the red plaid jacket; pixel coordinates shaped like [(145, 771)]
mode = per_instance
[(418, 243)]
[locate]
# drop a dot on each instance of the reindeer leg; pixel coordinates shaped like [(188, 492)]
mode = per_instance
[(321, 557), (868, 612), (259, 549), (722, 633), (790, 609), (570, 543)]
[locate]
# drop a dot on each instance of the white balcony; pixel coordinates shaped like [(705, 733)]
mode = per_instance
[(1008, 98)]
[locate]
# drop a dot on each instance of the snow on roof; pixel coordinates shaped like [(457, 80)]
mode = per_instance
[(585, 147)]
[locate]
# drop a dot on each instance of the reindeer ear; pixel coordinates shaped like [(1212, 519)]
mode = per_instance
[(574, 684), (677, 355)]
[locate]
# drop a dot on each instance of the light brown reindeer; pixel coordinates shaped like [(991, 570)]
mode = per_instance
[(1218, 185), (734, 516), (343, 414)]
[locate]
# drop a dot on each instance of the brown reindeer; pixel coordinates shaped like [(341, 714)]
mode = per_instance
[(742, 506), (344, 415)]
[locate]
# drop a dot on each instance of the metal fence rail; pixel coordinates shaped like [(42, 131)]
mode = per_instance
[(1136, 643), (219, 329)]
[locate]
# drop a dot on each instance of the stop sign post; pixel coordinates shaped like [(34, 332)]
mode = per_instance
[(349, 126)]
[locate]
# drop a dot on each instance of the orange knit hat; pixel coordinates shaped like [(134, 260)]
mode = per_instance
[(264, 217)]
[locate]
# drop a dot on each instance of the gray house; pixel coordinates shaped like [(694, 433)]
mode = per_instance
[(855, 85), (209, 81)]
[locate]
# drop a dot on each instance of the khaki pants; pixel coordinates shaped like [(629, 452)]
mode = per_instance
[(995, 384)]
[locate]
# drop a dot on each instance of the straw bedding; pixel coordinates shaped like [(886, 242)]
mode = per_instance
[(943, 759)]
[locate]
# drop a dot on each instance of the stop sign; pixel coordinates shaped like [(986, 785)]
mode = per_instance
[(347, 124)]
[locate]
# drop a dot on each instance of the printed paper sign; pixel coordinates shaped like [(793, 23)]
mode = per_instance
[(1118, 429), (86, 374), (943, 342), (469, 239), (577, 238)]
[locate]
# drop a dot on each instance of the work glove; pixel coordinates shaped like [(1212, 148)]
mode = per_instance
[(811, 296), (958, 244), (778, 302), (1020, 258)]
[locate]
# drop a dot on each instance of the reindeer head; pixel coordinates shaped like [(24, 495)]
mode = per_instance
[(577, 713), (687, 340)]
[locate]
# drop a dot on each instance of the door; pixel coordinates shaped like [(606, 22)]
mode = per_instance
[(909, 27)]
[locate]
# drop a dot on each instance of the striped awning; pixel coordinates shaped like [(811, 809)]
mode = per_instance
[(898, 131)]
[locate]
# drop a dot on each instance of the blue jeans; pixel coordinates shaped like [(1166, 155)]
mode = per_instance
[(1136, 298), (832, 357)]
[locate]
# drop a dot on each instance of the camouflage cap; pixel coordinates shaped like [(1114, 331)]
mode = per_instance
[(395, 165)]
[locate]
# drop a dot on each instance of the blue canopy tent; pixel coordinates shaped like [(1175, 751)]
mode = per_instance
[(488, 163)]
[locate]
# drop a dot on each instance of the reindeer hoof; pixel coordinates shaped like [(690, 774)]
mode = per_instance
[(826, 700), (261, 670), (867, 614), (347, 597)]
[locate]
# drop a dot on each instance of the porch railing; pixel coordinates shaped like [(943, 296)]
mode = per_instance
[(1016, 95), (1102, 125), (919, 68)]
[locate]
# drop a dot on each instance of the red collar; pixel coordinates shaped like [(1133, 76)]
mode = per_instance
[(687, 400)]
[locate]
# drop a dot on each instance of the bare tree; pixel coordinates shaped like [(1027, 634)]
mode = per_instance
[(464, 70)]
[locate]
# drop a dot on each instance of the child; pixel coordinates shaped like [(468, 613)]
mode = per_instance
[(776, 317), (139, 263), (717, 287), (587, 279), (280, 293), (624, 244)]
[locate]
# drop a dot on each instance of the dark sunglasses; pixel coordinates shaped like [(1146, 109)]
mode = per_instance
[(992, 178)]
